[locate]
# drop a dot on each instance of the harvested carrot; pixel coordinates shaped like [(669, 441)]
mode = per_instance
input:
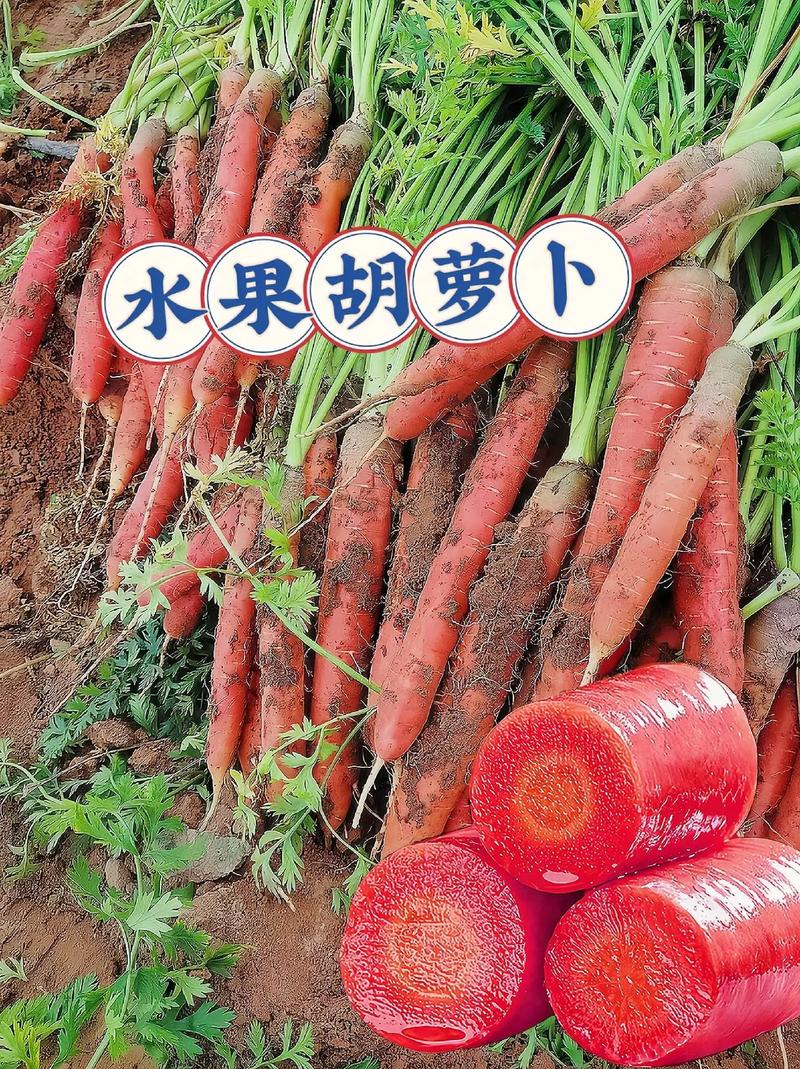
[(183, 615), (232, 80), (132, 537), (250, 739), (186, 196), (778, 746), (655, 237), (632, 771), (785, 821), (319, 472), (504, 604), (683, 961), (219, 428), (490, 490), (669, 501), (234, 644), (205, 551), (130, 441), (137, 185), (661, 643), (93, 350), (442, 950), (461, 815), (670, 341), (440, 459), (359, 528), (320, 211), (33, 297), (771, 642), (706, 591)]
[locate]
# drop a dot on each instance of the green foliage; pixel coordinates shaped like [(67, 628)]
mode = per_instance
[(13, 255), (165, 696), (12, 969), (161, 1001), (550, 1038), (295, 1051), (779, 422)]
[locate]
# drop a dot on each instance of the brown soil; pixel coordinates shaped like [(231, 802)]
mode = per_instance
[(290, 967)]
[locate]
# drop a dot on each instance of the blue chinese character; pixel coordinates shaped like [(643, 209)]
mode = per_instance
[(559, 261), (160, 300), (473, 279), (261, 291), (386, 279)]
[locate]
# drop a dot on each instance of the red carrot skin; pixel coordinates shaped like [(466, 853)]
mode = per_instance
[(250, 739), (186, 196), (319, 472), (490, 489), (655, 237), (440, 459), (234, 644), (129, 536), (94, 348), (293, 155), (273, 211), (632, 771), (226, 210), (130, 441), (232, 81), (205, 551), (183, 616), (444, 951), (771, 642), (670, 341), (682, 962), (409, 417), (359, 530), (504, 604), (137, 185), (785, 821), (164, 208), (669, 501), (706, 590), (214, 427), (32, 299), (320, 213), (461, 816), (778, 746)]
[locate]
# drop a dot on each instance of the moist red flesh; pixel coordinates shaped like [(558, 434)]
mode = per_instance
[(683, 961), (443, 951), (630, 772)]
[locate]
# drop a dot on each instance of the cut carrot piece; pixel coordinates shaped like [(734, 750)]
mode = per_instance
[(683, 961), (632, 771), (443, 951)]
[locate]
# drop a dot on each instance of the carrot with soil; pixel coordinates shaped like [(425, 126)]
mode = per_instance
[(778, 747), (93, 349), (186, 196), (33, 296)]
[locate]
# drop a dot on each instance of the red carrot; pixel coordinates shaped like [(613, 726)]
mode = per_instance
[(183, 615), (225, 212), (130, 442), (205, 550), (504, 605), (632, 771), (785, 821), (461, 816), (671, 339), (490, 490), (442, 950), (273, 211), (669, 501), (232, 80), (33, 296), (684, 961), (94, 348), (320, 212), (130, 539), (778, 746), (359, 528), (771, 642), (661, 642), (319, 472), (185, 177), (137, 185), (234, 643), (656, 236), (220, 427), (250, 739), (434, 479), (706, 588)]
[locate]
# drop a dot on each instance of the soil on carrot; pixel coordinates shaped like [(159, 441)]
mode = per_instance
[(290, 967)]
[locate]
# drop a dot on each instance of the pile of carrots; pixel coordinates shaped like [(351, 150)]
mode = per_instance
[(484, 525), (686, 941)]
